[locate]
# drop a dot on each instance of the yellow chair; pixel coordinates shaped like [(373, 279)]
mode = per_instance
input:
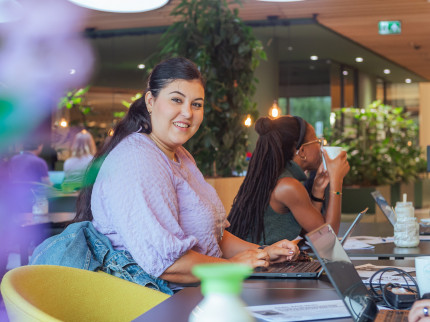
[(57, 293)]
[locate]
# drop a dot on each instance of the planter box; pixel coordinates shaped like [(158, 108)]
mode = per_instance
[(226, 188), (355, 199)]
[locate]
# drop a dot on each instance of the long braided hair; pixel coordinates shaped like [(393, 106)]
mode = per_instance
[(277, 142), (136, 120)]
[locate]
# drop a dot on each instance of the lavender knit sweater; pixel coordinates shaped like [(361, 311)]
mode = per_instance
[(155, 208)]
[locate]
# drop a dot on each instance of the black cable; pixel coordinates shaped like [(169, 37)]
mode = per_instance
[(379, 290)]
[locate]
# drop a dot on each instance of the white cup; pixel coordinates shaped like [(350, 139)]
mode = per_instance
[(422, 268), (332, 151)]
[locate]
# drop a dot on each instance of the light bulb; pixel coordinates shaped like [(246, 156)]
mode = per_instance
[(248, 121)]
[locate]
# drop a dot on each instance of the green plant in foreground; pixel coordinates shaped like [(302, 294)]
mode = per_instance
[(381, 143)]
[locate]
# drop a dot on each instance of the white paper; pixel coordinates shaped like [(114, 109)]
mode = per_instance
[(306, 311), (367, 270), (352, 243)]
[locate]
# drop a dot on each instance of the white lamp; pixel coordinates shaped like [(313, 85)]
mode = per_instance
[(124, 6)]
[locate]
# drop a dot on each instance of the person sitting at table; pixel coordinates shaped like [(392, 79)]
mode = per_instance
[(272, 203), (420, 311), (146, 198), (28, 173), (83, 149)]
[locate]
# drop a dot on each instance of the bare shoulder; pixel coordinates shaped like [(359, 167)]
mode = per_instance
[(289, 189)]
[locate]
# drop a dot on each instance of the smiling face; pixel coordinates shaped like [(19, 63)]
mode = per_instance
[(176, 114)]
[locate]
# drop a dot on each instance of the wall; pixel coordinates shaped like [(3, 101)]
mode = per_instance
[(424, 116), (226, 188)]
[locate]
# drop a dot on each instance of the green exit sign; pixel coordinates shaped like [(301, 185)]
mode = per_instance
[(390, 27)]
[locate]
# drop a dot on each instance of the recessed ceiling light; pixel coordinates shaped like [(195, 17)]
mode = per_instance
[(345, 72), (141, 66), (121, 6), (314, 57), (387, 71), (359, 59), (408, 80)]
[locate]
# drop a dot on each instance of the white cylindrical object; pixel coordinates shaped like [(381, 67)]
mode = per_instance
[(221, 308), (40, 206), (406, 229), (422, 268)]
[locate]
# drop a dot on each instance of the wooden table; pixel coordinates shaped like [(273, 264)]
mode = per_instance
[(257, 292)]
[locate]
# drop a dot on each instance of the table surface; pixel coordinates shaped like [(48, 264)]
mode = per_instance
[(29, 219), (258, 292), (386, 250)]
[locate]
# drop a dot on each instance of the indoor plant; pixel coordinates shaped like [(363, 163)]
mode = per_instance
[(213, 36), (381, 143)]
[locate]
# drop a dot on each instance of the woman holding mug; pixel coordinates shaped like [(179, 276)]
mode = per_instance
[(272, 203)]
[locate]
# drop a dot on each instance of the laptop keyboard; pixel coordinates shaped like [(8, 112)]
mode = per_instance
[(392, 316), (290, 267)]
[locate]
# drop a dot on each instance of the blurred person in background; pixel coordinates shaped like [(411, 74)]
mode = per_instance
[(82, 150), (28, 171)]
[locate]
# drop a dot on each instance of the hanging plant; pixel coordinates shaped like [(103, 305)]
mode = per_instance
[(213, 36)]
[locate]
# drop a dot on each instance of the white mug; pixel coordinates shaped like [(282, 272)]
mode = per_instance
[(332, 151), (422, 268)]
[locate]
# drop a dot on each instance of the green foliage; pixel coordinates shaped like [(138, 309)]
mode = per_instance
[(212, 35), (380, 142), (75, 99)]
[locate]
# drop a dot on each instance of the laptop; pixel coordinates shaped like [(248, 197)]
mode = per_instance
[(345, 278), (300, 269), (387, 210)]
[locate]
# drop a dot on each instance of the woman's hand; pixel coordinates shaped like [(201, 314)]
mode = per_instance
[(252, 257), (282, 251), (338, 167), (420, 311), (321, 181)]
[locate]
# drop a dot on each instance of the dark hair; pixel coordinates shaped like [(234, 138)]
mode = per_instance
[(136, 120), (275, 147), (31, 143)]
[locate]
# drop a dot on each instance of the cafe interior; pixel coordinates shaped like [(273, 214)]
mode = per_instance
[(357, 71)]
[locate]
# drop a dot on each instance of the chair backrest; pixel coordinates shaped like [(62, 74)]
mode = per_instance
[(53, 293)]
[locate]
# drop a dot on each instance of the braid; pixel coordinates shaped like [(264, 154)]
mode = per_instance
[(274, 148)]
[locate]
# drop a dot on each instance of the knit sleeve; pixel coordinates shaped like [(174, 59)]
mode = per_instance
[(137, 190)]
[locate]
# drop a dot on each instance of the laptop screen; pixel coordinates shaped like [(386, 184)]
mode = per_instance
[(342, 273), (384, 206)]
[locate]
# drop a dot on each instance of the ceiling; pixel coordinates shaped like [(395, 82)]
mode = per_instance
[(354, 19)]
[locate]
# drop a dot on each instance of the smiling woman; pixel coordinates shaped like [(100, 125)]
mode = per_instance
[(153, 216), (176, 114)]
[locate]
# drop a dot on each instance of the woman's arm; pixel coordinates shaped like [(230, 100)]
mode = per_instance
[(235, 250), (291, 193)]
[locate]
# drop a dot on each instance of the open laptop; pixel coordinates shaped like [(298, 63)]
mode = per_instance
[(298, 269), (387, 210), (345, 278)]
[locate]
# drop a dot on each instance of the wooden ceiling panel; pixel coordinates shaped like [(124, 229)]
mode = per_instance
[(354, 19)]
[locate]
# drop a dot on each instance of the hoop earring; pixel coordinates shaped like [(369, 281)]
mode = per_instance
[(150, 113)]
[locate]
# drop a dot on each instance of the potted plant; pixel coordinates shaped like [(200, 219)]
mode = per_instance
[(213, 36), (381, 143)]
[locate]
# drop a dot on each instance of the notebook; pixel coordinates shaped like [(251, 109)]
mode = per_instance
[(387, 210), (298, 269), (345, 278)]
